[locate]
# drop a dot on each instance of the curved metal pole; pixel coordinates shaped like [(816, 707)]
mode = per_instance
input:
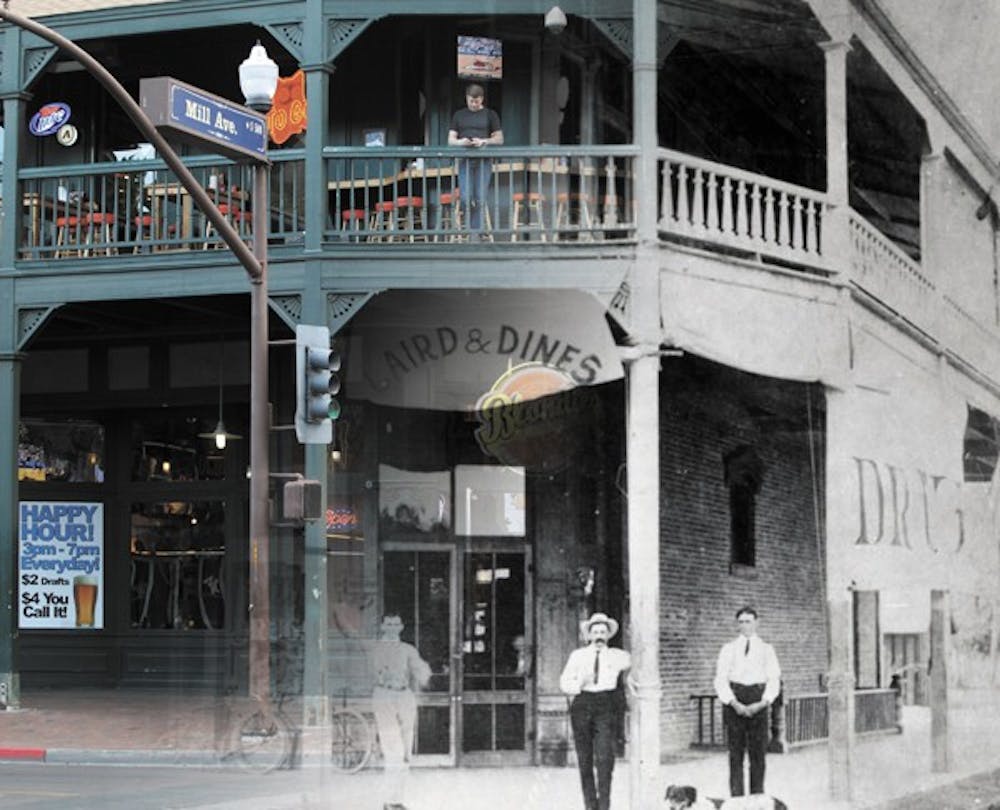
[(198, 194)]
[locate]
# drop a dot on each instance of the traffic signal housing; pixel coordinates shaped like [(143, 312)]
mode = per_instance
[(316, 385)]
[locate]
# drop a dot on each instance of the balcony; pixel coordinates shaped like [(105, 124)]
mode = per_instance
[(376, 197), (387, 199)]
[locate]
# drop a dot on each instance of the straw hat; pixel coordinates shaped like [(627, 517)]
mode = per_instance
[(601, 618)]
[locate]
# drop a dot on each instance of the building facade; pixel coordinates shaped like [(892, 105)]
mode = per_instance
[(728, 335)]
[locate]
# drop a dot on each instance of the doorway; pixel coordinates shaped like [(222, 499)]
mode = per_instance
[(467, 610)]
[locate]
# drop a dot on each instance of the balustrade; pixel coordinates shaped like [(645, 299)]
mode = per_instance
[(716, 204), (805, 717), (536, 194), (883, 270)]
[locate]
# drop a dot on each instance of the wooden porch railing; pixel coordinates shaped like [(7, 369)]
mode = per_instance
[(375, 196), (538, 194), (720, 205), (804, 719), (886, 272), (135, 207)]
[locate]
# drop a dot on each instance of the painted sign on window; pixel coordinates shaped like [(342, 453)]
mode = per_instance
[(60, 565)]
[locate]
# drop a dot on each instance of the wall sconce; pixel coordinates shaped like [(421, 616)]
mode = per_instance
[(555, 20)]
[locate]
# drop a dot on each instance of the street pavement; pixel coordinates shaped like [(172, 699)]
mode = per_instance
[(147, 728)]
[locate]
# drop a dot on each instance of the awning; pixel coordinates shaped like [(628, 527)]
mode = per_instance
[(463, 350)]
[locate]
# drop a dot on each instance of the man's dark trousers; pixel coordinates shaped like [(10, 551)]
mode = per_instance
[(592, 715), (747, 734)]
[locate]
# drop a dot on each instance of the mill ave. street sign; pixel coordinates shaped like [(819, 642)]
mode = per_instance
[(229, 129)]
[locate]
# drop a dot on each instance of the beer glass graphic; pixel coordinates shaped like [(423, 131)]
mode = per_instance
[(85, 599)]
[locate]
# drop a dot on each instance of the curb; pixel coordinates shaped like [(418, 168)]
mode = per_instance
[(22, 754), (149, 757)]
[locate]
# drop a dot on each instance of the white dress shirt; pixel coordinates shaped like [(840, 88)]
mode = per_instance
[(578, 674), (736, 664)]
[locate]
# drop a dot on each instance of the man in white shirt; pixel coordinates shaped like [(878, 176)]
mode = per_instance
[(398, 670), (590, 677), (747, 681)]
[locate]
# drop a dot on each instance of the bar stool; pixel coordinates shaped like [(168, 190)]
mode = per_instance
[(410, 217), (143, 230), (530, 204), (382, 222), (449, 215), (230, 211), (71, 235), (100, 228), (354, 220), (569, 204), (459, 219)]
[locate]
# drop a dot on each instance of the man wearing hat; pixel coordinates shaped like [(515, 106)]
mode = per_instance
[(590, 677), (398, 669)]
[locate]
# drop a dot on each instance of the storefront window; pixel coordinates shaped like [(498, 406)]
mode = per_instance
[(490, 501), (414, 502), (178, 448), (66, 451), (177, 551)]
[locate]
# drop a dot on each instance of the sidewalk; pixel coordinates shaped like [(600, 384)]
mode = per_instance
[(163, 728)]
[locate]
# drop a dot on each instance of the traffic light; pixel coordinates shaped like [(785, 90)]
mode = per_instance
[(316, 385)]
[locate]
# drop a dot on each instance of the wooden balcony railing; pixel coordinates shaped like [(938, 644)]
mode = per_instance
[(375, 196), (716, 204), (804, 719), (532, 194), (883, 270), (136, 207)]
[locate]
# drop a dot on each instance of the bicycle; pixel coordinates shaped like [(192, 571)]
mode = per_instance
[(265, 738), (352, 739)]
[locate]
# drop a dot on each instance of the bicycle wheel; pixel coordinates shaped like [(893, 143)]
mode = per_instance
[(265, 741), (351, 740)]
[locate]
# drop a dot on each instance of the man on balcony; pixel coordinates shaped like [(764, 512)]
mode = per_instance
[(747, 681), (475, 126)]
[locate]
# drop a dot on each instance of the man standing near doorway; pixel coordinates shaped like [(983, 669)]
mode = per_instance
[(747, 681), (475, 126), (590, 677), (398, 670)]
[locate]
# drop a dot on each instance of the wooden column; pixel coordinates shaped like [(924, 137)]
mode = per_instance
[(316, 703), (835, 234), (14, 103), (839, 603), (643, 427), (940, 625)]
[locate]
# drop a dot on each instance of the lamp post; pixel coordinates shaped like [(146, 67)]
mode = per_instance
[(258, 81)]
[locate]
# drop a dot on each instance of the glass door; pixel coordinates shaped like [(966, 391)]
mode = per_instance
[(418, 584), (495, 702)]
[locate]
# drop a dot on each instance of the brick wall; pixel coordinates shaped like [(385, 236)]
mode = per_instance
[(707, 411)]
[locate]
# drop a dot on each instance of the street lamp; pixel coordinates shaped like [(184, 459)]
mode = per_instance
[(258, 81)]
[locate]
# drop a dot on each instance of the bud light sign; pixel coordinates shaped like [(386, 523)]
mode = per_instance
[(49, 118)]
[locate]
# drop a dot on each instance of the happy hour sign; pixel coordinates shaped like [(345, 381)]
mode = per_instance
[(60, 565)]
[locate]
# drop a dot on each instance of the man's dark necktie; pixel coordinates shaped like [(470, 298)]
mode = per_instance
[(747, 650), (597, 663)]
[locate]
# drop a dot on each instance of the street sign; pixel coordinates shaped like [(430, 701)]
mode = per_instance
[(196, 115)]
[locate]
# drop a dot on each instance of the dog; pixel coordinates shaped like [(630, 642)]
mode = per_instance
[(685, 797)]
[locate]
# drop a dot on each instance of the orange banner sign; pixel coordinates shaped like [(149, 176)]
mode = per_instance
[(288, 111)]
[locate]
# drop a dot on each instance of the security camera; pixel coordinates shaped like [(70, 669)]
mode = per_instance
[(555, 20)]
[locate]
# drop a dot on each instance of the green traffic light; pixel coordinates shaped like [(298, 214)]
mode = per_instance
[(334, 409)]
